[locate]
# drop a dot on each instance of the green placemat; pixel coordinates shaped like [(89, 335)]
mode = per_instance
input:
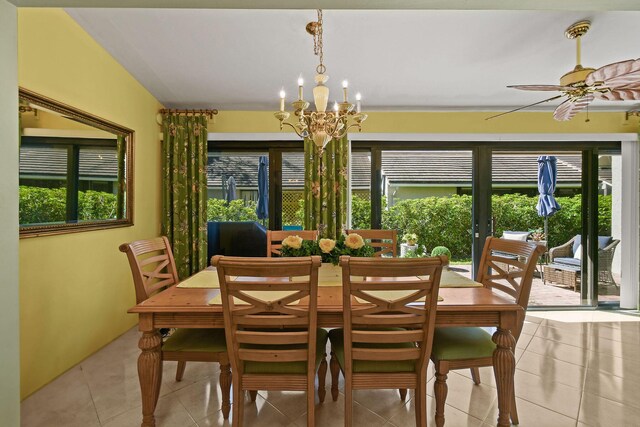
[(203, 279), (451, 279)]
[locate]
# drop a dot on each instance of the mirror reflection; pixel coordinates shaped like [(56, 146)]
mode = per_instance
[(74, 169)]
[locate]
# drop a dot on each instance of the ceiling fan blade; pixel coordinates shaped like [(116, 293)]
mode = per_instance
[(620, 94), (570, 108), (618, 74), (526, 106), (540, 87)]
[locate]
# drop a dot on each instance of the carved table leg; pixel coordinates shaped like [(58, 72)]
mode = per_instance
[(322, 378), (150, 374), (225, 386), (334, 366), (504, 366)]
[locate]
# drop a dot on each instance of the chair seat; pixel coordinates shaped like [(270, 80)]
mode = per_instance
[(461, 343), (205, 340), (288, 367), (574, 262), (336, 336)]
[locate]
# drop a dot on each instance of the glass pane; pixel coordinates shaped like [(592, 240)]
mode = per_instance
[(428, 193), (98, 183), (43, 182), (232, 186), (361, 190), (292, 190), (609, 228), (515, 215)]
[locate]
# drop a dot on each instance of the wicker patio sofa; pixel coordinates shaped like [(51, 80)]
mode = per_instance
[(564, 267)]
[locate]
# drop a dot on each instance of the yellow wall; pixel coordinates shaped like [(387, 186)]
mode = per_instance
[(75, 289), (444, 122)]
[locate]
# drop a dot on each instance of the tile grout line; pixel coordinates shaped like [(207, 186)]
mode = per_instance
[(93, 403)]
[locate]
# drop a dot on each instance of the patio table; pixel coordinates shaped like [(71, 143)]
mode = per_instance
[(189, 307)]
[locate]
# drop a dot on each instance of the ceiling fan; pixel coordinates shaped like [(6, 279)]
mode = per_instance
[(619, 81)]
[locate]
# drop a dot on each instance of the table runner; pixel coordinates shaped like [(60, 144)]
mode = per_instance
[(328, 275)]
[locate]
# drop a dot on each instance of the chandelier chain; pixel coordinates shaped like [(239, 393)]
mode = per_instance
[(317, 44)]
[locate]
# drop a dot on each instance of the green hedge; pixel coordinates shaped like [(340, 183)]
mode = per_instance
[(41, 205), (438, 221), (446, 221), (236, 210)]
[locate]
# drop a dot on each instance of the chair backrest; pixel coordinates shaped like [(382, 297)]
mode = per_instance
[(260, 309), (384, 242), (152, 266), (383, 304), (508, 266), (275, 238)]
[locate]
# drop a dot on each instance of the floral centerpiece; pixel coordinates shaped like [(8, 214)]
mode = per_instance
[(330, 250)]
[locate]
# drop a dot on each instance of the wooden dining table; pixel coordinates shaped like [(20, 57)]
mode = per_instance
[(198, 307)]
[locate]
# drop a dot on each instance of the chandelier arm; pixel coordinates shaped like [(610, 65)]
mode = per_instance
[(282, 124), (354, 125)]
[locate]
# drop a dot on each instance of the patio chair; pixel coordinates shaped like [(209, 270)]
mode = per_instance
[(275, 238), (154, 269), (472, 347), (570, 253), (384, 242)]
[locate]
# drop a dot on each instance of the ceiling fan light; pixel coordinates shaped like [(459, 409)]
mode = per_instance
[(577, 75)]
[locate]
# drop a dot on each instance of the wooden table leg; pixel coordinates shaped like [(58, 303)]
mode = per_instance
[(225, 385), (149, 369), (504, 367)]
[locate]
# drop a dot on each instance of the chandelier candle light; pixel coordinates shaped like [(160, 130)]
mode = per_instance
[(321, 125)]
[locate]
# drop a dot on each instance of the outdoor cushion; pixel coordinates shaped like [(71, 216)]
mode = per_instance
[(336, 336), (211, 340), (578, 253), (603, 242), (575, 262), (461, 343), (288, 367), (515, 235)]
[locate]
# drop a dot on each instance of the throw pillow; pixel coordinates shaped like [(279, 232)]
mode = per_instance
[(578, 253), (515, 235)]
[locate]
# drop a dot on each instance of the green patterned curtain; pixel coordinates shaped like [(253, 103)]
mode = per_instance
[(325, 187), (120, 150), (184, 192)]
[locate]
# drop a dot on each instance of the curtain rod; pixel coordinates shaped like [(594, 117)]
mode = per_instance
[(208, 113)]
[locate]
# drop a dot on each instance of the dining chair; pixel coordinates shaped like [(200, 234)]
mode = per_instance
[(275, 238), (272, 337), (506, 267), (154, 269), (384, 242), (388, 328)]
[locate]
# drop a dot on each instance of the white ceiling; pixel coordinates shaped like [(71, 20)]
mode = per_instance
[(399, 60)]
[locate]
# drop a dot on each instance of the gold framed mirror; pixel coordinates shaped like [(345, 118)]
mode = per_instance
[(76, 169)]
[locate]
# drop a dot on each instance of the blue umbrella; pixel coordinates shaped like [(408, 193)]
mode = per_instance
[(262, 210), (547, 179), (231, 189)]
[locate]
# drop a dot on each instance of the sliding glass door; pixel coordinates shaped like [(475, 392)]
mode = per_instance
[(458, 197)]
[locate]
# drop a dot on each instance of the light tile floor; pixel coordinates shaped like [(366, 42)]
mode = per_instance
[(573, 369)]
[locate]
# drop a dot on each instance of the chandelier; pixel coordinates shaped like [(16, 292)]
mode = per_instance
[(321, 125)]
